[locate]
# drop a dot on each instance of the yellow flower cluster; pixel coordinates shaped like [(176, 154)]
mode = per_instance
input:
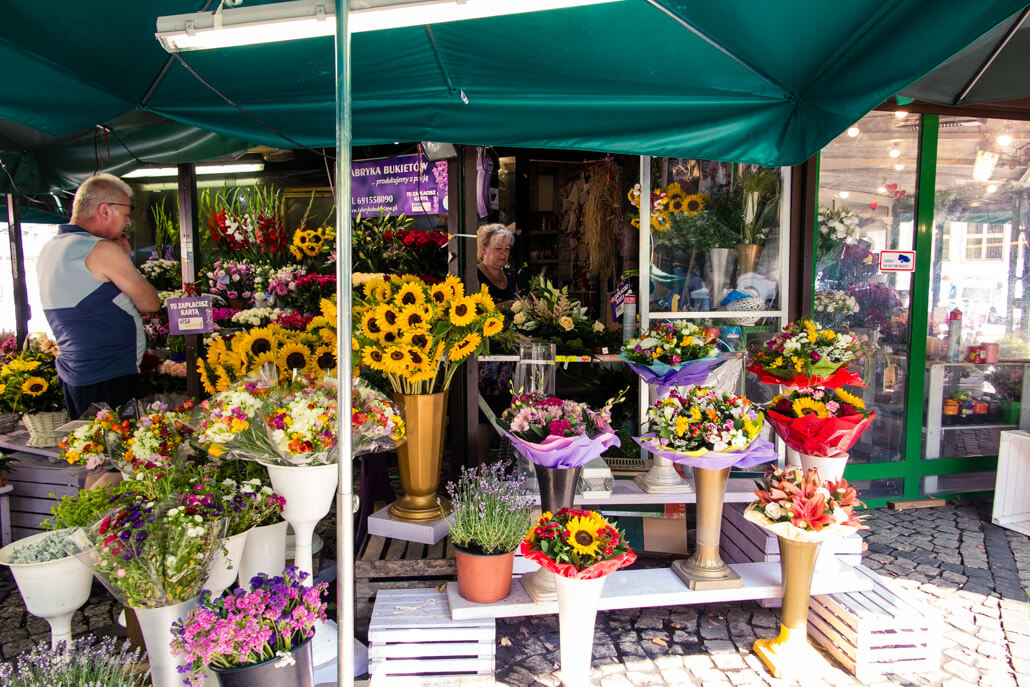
[(672, 200), (418, 333), (292, 352), (312, 242)]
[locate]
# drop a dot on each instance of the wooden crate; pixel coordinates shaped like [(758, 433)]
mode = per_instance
[(384, 563), (1012, 483), (38, 485), (413, 641), (875, 633)]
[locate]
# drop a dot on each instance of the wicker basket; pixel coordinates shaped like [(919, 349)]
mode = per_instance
[(43, 428), (9, 422)]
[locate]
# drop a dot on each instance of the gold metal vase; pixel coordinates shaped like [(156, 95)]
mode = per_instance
[(789, 652), (705, 569), (420, 458), (748, 255)]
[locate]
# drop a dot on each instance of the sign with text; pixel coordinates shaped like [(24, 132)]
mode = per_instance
[(408, 184), (190, 315), (897, 261)]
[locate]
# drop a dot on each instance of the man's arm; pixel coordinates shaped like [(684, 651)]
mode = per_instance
[(109, 262)]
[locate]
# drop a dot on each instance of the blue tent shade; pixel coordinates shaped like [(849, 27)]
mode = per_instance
[(768, 83)]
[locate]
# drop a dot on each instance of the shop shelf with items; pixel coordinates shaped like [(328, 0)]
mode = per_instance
[(964, 418)]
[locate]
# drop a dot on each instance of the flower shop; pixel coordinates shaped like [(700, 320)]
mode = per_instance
[(704, 328)]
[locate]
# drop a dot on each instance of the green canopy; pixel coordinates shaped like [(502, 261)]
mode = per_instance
[(768, 83)]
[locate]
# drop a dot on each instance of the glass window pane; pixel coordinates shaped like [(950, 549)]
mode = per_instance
[(867, 187)]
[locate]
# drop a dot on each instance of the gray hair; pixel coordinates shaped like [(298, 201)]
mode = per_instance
[(488, 233), (102, 188)]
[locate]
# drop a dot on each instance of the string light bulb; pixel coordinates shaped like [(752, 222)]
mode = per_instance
[(894, 152), (900, 114), (1004, 140), (853, 131), (991, 188), (845, 194)]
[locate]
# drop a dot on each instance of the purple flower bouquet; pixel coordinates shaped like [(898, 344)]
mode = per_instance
[(242, 628), (554, 433)]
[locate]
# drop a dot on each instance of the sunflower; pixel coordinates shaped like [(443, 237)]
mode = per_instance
[(259, 361), (493, 326), (371, 326), (378, 290), (312, 249), (395, 361), (388, 315), (318, 322), (204, 379), (34, 386), (677, 204), (463, 311), (695, 203), (484, 303), (258, 341), (216, 350), (325, 358), (659, 222), (583, 536), (295, 356), (426, 373), (413, 317), (233, 362), (419, 338), (372, 357), (389, 337), (809, 406), (439, 294), (455, 285), (315, 237), (635, 222), (222, 381), (328, 309), (409, 294), (850, 399), (464, 347), (417, 358)]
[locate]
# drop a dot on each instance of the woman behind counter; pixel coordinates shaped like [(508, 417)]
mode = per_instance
[(494, 246)]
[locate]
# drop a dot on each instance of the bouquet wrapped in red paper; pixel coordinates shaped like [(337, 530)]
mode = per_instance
[(579, 544), (819, 421), (804, 354)]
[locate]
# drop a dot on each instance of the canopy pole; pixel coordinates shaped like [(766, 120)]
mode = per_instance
[(21, 292), (187, 183), (344, 363), (993, 56)]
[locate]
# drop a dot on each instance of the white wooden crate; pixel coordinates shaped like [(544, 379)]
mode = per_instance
[(874, 633), (413, 641), (1012, 483)]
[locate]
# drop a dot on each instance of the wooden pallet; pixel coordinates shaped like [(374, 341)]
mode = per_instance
[(876, 632), (413, 641), (37, 485), (385, 563)]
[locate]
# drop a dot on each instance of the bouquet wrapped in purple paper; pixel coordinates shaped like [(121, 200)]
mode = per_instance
[(555, 433), (672, 354)]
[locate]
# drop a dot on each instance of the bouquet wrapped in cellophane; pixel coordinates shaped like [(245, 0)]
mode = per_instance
[(804, 354), (151, 553), (819, 421), (672, 354), (556, 433), (801, 506)]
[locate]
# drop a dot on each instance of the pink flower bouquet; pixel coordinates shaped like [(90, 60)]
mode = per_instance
[(555, 433)]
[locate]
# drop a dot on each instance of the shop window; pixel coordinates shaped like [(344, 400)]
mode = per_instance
[(984, 242)]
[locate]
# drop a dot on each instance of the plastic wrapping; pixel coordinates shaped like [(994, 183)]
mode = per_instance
[(758, 452), (683, 374), (789, 531), (599, 569), (564, 452), (150, 554), (836, 379), (376, 424), (820, 436)]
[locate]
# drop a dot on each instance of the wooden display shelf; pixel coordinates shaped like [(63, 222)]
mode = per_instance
[(661, 587)]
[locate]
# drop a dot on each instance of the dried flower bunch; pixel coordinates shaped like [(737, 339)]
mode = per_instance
[(242, 628), (491, 508)]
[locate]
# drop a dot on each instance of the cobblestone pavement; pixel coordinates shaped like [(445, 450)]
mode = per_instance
[(950, 561)]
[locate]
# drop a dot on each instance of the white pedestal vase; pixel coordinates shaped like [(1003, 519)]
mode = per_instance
[(662, 478), (309, 492), (53, 590), (225, 565), (155, 625), (829, 468), (577, 611), (263, 552)]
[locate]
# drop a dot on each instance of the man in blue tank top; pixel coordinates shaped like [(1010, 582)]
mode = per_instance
[(92, 296)]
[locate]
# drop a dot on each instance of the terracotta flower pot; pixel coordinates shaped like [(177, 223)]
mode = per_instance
[(484, 578)]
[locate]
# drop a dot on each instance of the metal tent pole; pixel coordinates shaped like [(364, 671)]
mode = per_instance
[(344, 493)]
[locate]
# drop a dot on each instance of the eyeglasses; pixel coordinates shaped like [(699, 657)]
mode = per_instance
[(132, 208)]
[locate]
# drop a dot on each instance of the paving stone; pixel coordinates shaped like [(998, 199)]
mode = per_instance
[(641, 679), (616, 681), (963, 671)]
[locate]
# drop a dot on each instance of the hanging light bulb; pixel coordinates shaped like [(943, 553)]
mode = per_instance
[(899, 167), (882, 189), (894, 152), (901, 114), (853, 131), (1004, 140), (845, 194), (991, 188)]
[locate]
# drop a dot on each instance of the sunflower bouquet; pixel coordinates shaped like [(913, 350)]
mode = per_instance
[(418, 334), (819, 421), (800, 506), (706, 428), (579, 544), (556, 433), (28, 380), (672, 354), (804, 354)]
